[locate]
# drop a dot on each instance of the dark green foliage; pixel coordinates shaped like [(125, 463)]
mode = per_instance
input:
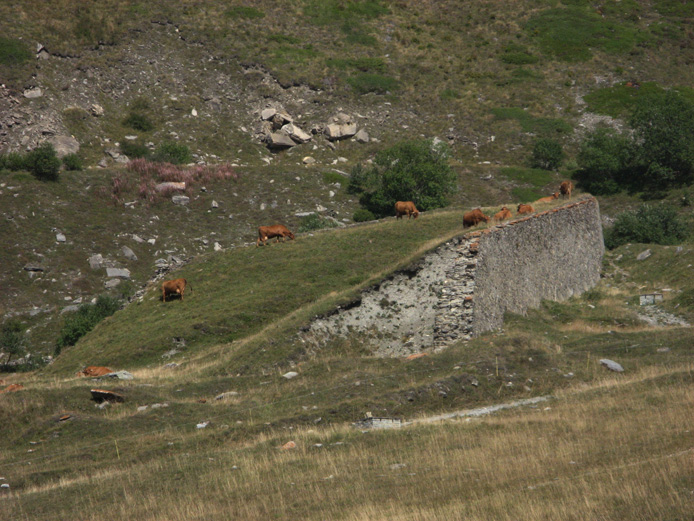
[(409, 171), (170, 152), (448, 94), (138, 121), (72, 162), (547, 154), (133, 149), (12, 340), (664, 130), (13, 52), (315, 222), (248, 13), (83, 320), (515, 54), (605, 161), (363, 215), (334, 177), (621, 99), (43, 162), (13, 161), (648, 224), (571, 34), (365, 83)]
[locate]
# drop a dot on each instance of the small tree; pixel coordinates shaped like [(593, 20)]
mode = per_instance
[(648, 224), (170, 152), (82, 321), (43, 162), (547, 154), (409, 171), (12, 340), (604, 160), (664, 128)]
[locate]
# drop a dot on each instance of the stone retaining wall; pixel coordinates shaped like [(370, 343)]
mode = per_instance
[(465, 286)]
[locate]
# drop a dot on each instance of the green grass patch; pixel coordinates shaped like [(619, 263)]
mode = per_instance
[(377, 83), (334, 177), (572, 34), (14, 52), (674, 7), (244, 12), (449, 94), (286, 54), (530, 123), (364, 64), (283, 39), (525, 195), (515, 54), (533, 176), (327, 12), (620, 100)]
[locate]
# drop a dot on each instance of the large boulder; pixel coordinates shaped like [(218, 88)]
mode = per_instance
[(296, 133), (64, 145), (278, 141), (335, 131)]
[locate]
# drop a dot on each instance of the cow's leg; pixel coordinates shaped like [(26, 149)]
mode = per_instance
[(163, 294)]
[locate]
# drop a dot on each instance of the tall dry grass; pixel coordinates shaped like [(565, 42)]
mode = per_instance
[(619, 449)]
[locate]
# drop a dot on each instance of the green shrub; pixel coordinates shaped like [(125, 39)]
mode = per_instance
[(72, 162), (518, 58), (648, 224), (13, 161), (134, 150), (365, 83), (315, 222), (138, 121), (82, 321), (604, 162), (170, 152), (409, 171), (334, 177), (363, 215), (12, 340), (43, 162), (547, 154), (530, 123)]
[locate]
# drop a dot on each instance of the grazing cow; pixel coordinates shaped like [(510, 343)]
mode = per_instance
[(94, 370), (548, 199), (525, 208), (566, 188), (502, 215), (174, 287), (406, 208), (473, 218), (276, 231)]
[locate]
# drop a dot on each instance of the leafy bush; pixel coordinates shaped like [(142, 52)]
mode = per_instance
[(13, 161), (134, 150), (648, 224), (72, 162), (547, 154), (170, 152), (12, 341), (43, 162), (363, 215), (664, 130), (409, 171), (138, 121), (365, 83), (83, 320), (334, 177), (604, 161), (315, 222)]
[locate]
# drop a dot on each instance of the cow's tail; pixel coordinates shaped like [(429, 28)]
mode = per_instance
[(189, 286)]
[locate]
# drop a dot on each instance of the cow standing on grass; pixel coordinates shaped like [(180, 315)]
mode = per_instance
[(566, 188), (275, 231), (473, 218), (174, 287), (406, 208)]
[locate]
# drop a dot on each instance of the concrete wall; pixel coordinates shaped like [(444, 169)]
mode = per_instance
[(465, 286)]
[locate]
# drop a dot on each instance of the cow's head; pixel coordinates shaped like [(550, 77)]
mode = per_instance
[(290, 235), (415, 214)]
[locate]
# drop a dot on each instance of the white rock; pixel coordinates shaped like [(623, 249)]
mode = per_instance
[(193, 112), (612, 365), (202, 425), (290, 375), (217, 246), (60, 237)]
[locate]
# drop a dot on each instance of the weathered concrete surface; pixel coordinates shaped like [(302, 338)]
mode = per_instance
[(552, 255)]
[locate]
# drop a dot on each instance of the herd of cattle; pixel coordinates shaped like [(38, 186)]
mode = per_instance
[(471, 218)]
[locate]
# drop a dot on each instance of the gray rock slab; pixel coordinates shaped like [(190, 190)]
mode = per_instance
[(277, 140), (268, 114), (64, 145), (362, 136), (180, 200), (612, 365), (60, 237), (128, 253), (32, 267), (120, 375), (121, 273), (96, 261), (33, 93), (290, 375), (643, 255), (110, 284), (224, 396)]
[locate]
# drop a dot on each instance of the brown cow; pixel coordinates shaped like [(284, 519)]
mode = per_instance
[(548, 199), (174, 287), (473, 218), (94, 370), (12, 388), (525, 208), (405, 208), (276, 231), (566, 188), (502, 215)]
